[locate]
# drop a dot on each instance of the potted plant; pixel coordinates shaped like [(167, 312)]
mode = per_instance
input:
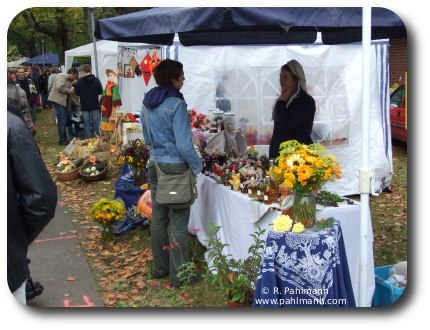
[(236, 278)]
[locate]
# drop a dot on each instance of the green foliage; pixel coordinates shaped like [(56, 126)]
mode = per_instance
[(323, 224), (186, 273), (328, 199), (236, 278), (61, 28)]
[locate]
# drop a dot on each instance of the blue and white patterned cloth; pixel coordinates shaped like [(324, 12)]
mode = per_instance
[(309, 269)]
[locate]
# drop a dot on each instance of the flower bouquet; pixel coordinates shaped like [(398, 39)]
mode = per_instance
[(106, 212), (304, 169), (136, 155), (199, 121)]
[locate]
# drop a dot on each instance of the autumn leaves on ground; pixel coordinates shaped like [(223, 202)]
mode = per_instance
[(122, 268)]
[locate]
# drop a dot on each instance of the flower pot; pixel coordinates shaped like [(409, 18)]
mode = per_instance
[(139, 176), (304, 208)]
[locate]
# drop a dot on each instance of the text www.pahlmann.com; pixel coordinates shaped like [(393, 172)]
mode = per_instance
[(299, 301)]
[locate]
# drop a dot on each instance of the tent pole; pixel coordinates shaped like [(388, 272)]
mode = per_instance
[(94, 42), (365, 172)]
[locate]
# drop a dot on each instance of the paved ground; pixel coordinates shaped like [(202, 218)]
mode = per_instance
[(60, 265)]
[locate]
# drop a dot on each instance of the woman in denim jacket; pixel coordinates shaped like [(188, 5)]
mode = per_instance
[(173, 150)]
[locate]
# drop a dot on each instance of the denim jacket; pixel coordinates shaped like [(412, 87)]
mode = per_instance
[(170, 133)]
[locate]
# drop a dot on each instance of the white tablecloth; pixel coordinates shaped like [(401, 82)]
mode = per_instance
[(239, 217)]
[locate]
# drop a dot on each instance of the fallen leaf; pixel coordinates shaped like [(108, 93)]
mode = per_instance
[(71, 278)]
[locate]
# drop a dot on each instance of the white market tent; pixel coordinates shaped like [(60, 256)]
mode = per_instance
[(252, 86), (334, 77), (107, 55)]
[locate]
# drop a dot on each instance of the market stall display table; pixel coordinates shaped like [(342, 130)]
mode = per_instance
[(239, 217), (309, 269)]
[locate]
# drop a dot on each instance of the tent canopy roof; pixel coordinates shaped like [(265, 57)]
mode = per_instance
[(103, 47), (248, 25)]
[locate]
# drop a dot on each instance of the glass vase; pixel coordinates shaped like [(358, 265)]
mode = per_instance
[(108, 234), (304, 208), (139, 176)]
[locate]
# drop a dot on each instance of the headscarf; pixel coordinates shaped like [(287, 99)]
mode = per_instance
[(297, 70)]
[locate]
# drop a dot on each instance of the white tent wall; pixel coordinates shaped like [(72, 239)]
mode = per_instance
[(131, 89), (334, 79), (107, 57)]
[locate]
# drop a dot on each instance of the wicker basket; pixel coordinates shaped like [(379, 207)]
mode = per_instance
[(94, 178), (69, 176)]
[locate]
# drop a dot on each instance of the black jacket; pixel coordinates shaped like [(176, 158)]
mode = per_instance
[(31, 198), (88, 88), (292, 123)]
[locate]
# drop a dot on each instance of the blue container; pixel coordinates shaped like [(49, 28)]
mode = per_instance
[(385, 293)]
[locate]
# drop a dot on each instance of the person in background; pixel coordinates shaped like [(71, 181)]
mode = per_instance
[(172, 148), (31, 200), (11, 74), (43, 87), (35, 74), (88, 88), (294, 111), (53, 73), (29, 88), (17, 102), (61, 96), (54, 70), (222, 102)]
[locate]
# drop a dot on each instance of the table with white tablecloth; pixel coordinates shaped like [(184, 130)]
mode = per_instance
[(240, 216)]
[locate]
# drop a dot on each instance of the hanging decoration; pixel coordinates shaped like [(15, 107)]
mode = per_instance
[(145, 67), (127, 61), (155, 60)]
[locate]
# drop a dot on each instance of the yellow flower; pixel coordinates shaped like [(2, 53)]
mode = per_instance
[(304, 172), (105, 211), (303, 167), (282, 224), (298, 227), (295, 161)]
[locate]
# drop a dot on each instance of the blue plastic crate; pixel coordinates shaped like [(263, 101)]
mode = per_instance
[(385, 293)]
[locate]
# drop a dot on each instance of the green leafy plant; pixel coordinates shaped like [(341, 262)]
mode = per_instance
[(187, 271), (236, 278), (328, 199), (324, 224)]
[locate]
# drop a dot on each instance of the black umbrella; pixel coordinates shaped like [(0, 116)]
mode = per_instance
[(248, 25)]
